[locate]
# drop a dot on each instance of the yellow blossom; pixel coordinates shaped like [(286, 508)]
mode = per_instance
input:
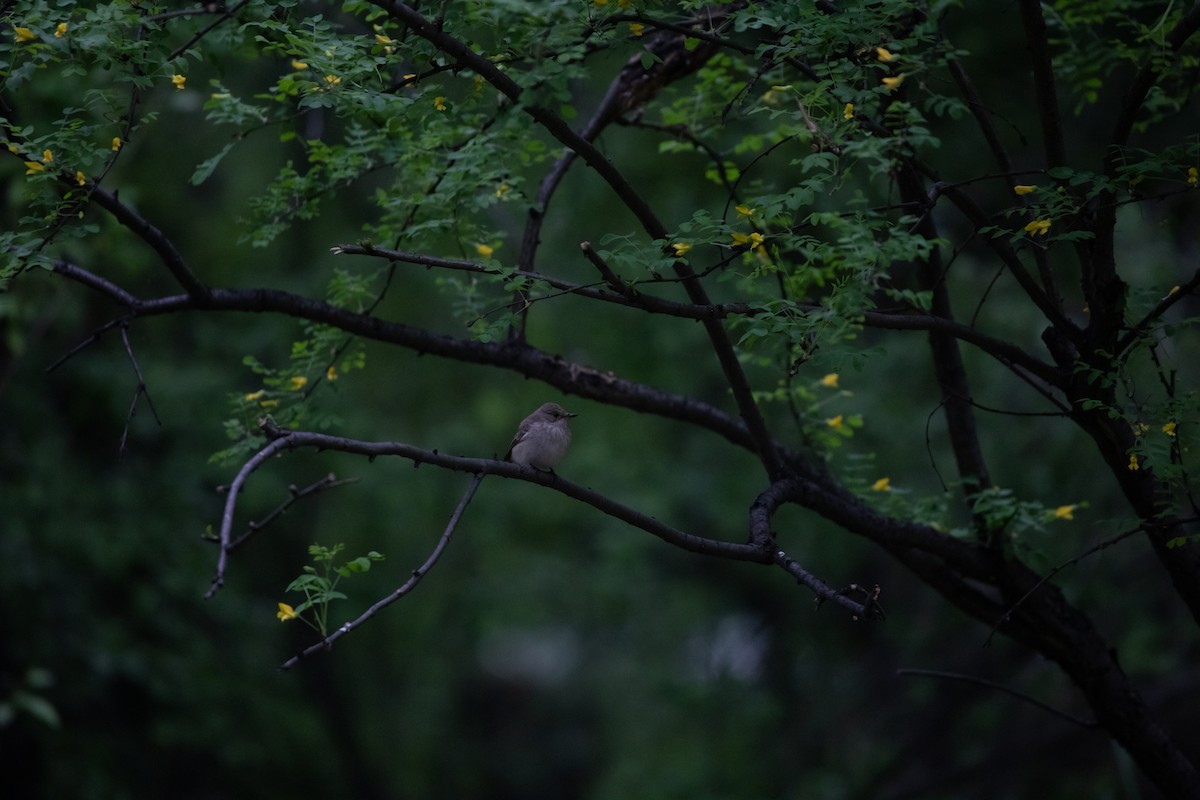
[(80, 178), (503, 189), (681, 248), (12, 148), (332, 80), (298, 382), (1169, 429), (1023, 188), (298, 65), (754, 239), (255, 395), (1140, 428), (1193, 176), (116, 143), (285, 612), (24, 34), (1038, 227), (830, 381), (34, 167), (383, 38), (848, 111), (485, 250), (883, 54), (409, 77), (60, 31), (180, 81), (1133, 464), (882, 485), (1174, 291), (893, 82), (268, 404), (47, 156), (439, 103), (836, 423), (331, 374), (637, 29), (744, 211), (1065, 512)]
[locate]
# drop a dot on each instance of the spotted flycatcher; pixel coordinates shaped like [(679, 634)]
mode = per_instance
[(542, 438)]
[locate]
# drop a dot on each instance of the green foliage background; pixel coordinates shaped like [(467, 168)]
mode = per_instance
[(553, 651)]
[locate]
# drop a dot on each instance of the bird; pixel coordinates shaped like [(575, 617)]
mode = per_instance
[(542, 438)]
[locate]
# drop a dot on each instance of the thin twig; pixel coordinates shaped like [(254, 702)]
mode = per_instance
[(1007, 615), (954, 676), (403, 589), (295, 495), (141, 390)]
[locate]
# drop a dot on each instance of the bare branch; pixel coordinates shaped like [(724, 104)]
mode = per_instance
[(954, 676), (417, 574), (295, 495), (141, 390), (172, 259)]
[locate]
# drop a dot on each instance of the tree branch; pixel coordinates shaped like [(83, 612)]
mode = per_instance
[(417, 574)]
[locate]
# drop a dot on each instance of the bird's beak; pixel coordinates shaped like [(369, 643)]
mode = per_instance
[(569, 414)]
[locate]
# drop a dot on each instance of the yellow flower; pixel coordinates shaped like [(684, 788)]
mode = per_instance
[(484, 250), (24, 34), (744, 211), (1023, 188), (34, 167), (439, 103), (285, 612), (503, 189), (1133, 464), (1174, 290), (893, 83), (47, 156), (268, 404), (331, 374), (179, 81), (1169, 429), (836, 423), (882, 485), (681, 248), (116, 143), (298, 382), (80, 178), (637, 29), (409, 77), (1065, 512), (830, 381), (1038, 227), (848, 111), (1140, 428), (298, 64), (754, 239), (1193, 176), (883, 54), (332, 80), (383, 38), (60, 31), (255, 395), (12, 148)]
